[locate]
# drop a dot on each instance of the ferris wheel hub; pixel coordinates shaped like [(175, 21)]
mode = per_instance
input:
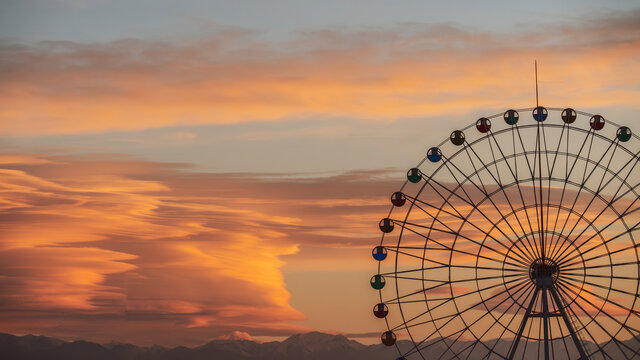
[(544, 273)]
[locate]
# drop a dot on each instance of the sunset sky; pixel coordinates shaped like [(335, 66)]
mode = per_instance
[(179, 171)]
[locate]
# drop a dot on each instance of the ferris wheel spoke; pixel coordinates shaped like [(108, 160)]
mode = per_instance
[(602, 276), (500, 184), (595, 194), (573, 165), (506, 311), (603, 266), (583, 327), (564, 188), (449, 299), (611, 288), (461, 312), (522, 256), (615, 197), (541, 223), (594, 320), (445, 266), (520, 263), (585, 178), (486, 197), (575, 283), (396, 250), (504, 331), (533, 183), (457, 234), (468, 202), (550, 169), (562, 257), (517, 182), (487, 234), (586, 165), (555, 236), (460, 281), (415, 201), (475, 207), (631, 330), (407, 325), (585, 267), (565, 259), (495, 163), (452, 249)]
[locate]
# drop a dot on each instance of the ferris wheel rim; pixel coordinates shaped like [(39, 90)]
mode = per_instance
[(445, 161)]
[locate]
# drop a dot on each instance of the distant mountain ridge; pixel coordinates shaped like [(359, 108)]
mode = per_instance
[(309, 346)]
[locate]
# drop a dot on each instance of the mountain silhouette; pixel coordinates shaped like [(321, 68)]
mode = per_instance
[(309, 346)]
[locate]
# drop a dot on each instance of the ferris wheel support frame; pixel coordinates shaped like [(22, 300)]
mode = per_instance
[(544, 285)]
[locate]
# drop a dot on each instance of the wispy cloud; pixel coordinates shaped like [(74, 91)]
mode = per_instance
[(407, 71), (151, 246)]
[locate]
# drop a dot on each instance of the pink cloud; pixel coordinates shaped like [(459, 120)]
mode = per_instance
[(237, 335)]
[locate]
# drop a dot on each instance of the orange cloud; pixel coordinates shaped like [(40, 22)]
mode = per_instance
[(172, 256), (179, 257), (410, 71)]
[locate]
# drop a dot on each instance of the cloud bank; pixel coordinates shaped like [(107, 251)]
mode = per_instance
[(148, 252), (411, 70)]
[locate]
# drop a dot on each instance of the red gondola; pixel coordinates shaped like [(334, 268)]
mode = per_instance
[(380, 310), (483, 125), (398, 199), (596, 122)]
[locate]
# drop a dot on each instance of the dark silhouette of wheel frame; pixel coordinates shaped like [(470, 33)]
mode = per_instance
[(516, 239)]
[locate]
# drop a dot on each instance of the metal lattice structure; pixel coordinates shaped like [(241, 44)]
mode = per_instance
[(516, 238)]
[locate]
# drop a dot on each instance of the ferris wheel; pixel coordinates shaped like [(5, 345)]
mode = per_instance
[(516, 238)]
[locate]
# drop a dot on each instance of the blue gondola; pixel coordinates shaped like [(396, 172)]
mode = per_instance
[(434, 154), (379, 253), (540, 113)]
